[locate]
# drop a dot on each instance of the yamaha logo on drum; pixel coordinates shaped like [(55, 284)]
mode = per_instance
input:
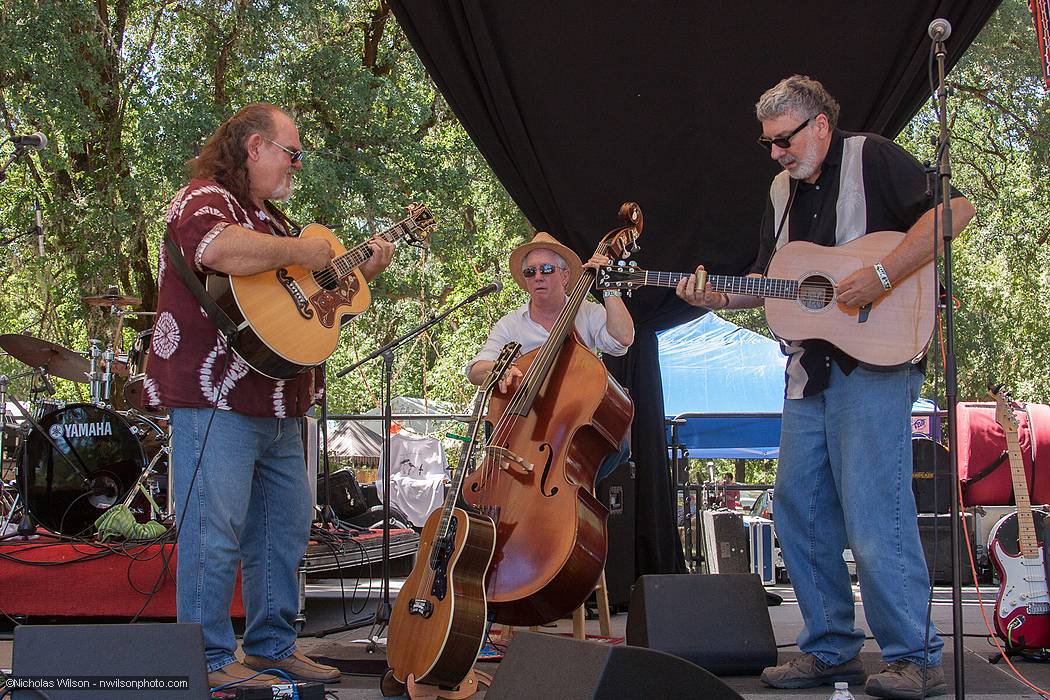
[(78, 430)]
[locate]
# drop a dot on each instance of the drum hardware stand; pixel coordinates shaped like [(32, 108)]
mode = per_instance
[(100, 383), (26, 527), (381, 617)]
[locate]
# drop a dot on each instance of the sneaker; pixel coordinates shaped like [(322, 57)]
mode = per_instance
[(807, 671), (298, 666), (903, 679), (237, 675)]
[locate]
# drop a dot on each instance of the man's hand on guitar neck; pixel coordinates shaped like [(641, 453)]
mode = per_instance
[(708, 298), (382, 254)]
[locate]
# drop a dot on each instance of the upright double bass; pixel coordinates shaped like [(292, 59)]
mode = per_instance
[(549, 434)]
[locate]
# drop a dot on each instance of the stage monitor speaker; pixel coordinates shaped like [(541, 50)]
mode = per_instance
[(936, 534), (617, 493), (150, 653), (931, 479), (547, 666), (717, 621)]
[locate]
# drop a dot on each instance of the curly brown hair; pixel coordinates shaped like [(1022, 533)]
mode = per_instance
[(223, 157)]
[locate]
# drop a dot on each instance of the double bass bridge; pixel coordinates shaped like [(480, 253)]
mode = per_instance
[(508, 460)]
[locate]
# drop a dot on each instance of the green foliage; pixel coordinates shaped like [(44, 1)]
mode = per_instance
[(127, 90)]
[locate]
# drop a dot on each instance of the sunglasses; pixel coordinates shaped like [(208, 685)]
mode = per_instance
[(782, 141), (297, 156), (545, 268)]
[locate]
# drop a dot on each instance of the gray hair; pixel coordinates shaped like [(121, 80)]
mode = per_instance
[(799, 95), (560, 260)]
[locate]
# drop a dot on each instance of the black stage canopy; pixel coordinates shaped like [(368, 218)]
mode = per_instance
[(581, 105)]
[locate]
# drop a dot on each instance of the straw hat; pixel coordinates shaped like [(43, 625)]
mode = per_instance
[(543, 240)]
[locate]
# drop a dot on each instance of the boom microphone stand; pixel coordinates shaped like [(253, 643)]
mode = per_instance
[(382, 614), (939, 30)]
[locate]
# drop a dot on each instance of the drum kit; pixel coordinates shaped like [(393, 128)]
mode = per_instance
[(66, 464)]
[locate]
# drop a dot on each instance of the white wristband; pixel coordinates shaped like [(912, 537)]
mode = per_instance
[(883, 277)]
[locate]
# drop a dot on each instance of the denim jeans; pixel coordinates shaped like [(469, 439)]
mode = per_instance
[(844, 479), (250, 505)]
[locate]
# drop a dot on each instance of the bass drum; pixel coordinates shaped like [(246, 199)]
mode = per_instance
[(94, 460)]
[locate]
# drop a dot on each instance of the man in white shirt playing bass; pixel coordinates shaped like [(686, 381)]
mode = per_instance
[(545, 269)]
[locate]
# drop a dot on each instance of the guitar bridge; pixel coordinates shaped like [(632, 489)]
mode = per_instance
[(1038, 608), (419, 606), (302, 305)]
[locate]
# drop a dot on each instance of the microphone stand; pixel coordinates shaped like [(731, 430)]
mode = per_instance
[(19, 150), (381, 617), (944, 174)]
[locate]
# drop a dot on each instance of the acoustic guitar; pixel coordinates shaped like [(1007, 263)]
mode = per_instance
[(1015, 546), (438, 621), (290, 317), (801, 299)]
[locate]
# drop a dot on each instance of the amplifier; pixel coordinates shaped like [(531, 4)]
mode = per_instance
[(725, 542)]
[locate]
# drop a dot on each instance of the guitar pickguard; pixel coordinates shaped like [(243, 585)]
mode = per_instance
[(326, 302)]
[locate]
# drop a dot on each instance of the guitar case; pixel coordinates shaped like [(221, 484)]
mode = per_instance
[(984, 466)]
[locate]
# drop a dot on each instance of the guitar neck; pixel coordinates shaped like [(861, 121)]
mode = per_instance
[(352, 259), (1026, 537), (753, 286)]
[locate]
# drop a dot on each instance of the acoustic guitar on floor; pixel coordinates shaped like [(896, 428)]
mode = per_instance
[(438, 621), (801, 300), (1015, 546), (290, 317)]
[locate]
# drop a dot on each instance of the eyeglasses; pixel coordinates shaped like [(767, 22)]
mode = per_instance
[(297, 156), (545, 268), (782, 141)]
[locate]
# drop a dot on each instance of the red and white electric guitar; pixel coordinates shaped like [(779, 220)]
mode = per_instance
[(1015, 546)]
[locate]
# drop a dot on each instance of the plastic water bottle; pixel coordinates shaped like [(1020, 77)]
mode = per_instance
[(841, 692)]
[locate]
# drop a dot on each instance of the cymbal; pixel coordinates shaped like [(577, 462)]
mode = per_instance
[(112, 299), (55, 359)]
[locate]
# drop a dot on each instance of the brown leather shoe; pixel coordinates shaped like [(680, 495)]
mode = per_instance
[(298, 666), (240, 675), (904, 680), (807, 671)]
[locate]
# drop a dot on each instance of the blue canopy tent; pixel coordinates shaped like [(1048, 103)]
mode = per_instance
[(727, 384)]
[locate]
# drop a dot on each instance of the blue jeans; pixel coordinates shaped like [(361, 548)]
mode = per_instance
[(844, 479), (250, 505)]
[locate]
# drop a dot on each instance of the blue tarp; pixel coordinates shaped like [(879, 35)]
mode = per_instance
[(735, 378)]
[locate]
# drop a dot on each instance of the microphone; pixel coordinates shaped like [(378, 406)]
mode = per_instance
[(939, 29), (35, 140), (39, 228), (484, 291)]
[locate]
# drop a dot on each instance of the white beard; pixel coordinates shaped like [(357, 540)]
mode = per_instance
[(808, 164), (283, 192)]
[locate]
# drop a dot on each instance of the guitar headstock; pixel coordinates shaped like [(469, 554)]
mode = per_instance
[(421, 222), (506, 358), (623, 275), (1004, 412), (623, 242)]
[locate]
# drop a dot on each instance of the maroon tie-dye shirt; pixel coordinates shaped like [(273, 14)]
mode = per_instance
[(187, 354)]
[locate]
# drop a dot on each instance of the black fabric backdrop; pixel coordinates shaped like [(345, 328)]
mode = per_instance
[(581, 105)]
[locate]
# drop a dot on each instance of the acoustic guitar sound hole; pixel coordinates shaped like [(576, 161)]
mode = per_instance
[(327, 278), (816, 292)]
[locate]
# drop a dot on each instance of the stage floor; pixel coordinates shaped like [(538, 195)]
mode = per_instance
[(983, 680)]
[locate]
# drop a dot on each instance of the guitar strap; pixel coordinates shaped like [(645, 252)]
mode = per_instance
[(783, 220), (223, 322)]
